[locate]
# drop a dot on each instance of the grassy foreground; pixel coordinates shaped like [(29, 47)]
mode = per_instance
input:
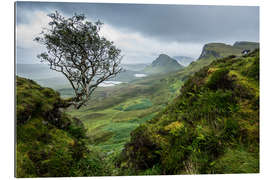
[(49, 143), (212, 127)]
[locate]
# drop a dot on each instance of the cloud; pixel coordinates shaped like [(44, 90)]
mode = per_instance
[(182, 23), (25, 33), (144, 31), (27, 49), (135, 47), (139, 48)]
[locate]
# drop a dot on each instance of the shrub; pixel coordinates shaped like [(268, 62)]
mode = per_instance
[(253, 71), (33, 99), (142, 151), (236, 161), (219, 80), (231, 129), (175, 128), (91, 165)]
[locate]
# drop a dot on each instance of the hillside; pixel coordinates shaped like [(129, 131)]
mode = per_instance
[(213, 51), (218, 50), (246, 45), (163, 64), (212, 127), (49, 142)]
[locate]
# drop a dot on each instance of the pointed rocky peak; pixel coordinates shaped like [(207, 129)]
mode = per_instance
[(164, 60)]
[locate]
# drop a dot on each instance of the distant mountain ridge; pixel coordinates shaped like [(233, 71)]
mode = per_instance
[(246, 45), (163, 64), (213, 51), (218, 50), (184, 60)]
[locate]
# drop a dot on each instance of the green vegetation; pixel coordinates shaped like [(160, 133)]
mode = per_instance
[(135, 105), (200, 119), (214, 51), (212, 127), (110, 119), (49, 142), (246, 45)]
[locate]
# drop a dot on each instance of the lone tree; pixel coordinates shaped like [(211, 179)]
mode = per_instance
[(75, 48)]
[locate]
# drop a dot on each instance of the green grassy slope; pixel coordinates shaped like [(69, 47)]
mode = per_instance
[(246, 45), (213, 51), (50, 143), (212, 127)]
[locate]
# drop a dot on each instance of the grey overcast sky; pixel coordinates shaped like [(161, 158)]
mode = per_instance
[(143, 31)]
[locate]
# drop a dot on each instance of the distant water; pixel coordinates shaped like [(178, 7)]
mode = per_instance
[(140, 75), (109, 83)]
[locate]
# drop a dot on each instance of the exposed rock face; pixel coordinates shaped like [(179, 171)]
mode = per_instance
[(206, 53), (245, 43), (237, 43), (219, 50)]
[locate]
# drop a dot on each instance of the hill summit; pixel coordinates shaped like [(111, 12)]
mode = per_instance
[(218, 50), (164, 60), (163, 64)]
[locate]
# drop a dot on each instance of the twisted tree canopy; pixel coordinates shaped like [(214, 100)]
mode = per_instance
[(75, 48)]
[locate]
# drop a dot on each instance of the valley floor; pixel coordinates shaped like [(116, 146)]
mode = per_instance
[(116, 111)]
